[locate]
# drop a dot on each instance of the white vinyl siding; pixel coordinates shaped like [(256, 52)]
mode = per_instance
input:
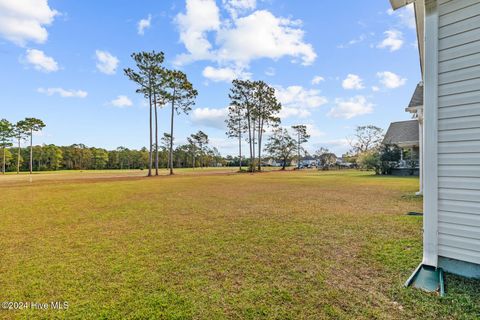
[(459, 130)]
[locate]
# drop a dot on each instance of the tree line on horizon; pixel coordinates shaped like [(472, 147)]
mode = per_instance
[(195, 153), (281, 148)]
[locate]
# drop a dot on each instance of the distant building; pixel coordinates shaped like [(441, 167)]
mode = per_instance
[(404, 134), (416, 108), (342, 162)]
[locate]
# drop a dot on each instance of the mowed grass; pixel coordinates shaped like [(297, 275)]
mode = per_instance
[(276, 245)]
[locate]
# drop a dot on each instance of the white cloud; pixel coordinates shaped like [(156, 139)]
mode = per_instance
[(41, 61), (350, 108), (375, 88), (23, 21), (201, 17), (210, 117), (337, 142), (353, 81), (270, 72), (288, 112), (391, 80), (317, 79), (298, 101), (313, 131), (224, 74), (406, 15), (393, 40), (121, 102), (235, 7), (144, 24), (297, 96), (106, 63), (237, 42), (63, 93), (352, 42), (262, 35)]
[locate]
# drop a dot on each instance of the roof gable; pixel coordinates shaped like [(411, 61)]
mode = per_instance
[(417, 98), (402, 132)]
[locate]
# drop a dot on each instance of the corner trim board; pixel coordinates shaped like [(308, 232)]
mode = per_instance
[(430, 206)]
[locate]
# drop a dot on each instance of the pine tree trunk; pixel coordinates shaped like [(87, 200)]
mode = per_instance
[(253, 148), (150, 155), (156, 132), (239, 147), (193, 157), (249, 137), (260, 134), (259, 153), (4, 165), (31, 151), (202, 159), (298, 152), (18, 156), (170, 160)]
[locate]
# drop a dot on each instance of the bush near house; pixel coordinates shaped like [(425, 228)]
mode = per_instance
[(381, 160)]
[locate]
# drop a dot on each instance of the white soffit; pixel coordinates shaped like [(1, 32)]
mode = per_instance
[(400, 3)]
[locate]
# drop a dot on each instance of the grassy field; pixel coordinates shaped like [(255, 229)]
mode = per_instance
[(217, 245)]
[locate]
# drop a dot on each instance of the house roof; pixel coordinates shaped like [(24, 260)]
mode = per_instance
[(417, 98), (402, 133)]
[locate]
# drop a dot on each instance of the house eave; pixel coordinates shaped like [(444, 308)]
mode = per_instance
[(396, 4), (419, 8), (402, 144), (415, 109)]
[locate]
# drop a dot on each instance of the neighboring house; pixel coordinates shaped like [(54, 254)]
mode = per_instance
[(341, 162), (305, 162), (404, 134), (308, 163), (273, 163), (449, 47), (416, 108)]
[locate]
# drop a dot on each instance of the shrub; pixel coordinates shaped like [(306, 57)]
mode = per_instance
[(382, 161)]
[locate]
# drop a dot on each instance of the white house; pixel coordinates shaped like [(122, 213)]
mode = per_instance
[(405, 135), (449, 47), (416, 108)]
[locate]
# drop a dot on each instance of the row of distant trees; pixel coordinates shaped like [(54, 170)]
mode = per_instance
[(282, 145), (195, 153), (16, 132)]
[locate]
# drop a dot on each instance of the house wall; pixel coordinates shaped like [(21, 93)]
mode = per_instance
[(458, 129)]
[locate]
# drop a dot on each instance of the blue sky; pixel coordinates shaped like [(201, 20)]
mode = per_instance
[(335, 65)]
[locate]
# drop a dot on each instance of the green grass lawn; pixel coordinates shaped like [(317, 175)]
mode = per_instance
[(218, 245)]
